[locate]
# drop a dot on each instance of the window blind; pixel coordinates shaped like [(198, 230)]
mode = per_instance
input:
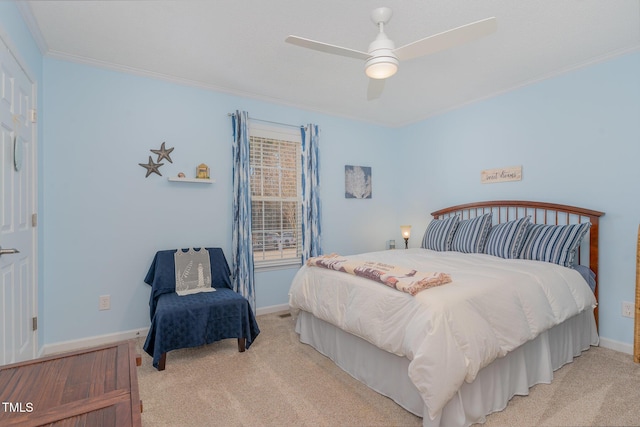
[(275, 195)]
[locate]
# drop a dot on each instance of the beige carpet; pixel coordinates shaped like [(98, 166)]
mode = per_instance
[(281, 382)]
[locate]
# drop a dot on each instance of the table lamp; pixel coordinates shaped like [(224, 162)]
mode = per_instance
[(406, 233)]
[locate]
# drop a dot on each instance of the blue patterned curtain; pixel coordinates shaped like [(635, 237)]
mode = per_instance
[(242, 270), (310, 193)]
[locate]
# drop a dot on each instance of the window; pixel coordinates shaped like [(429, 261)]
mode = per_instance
[(275, 195)]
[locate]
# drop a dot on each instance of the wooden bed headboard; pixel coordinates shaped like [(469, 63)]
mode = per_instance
[(636, 324), (540, 213)]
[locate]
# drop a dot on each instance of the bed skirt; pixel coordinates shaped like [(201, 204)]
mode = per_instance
[(530, 364)]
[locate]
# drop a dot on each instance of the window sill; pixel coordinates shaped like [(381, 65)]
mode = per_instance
[(276, 265)]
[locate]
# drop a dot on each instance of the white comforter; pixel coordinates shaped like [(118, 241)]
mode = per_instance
[(452, 331)]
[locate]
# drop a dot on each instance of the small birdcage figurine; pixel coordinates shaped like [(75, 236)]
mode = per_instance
[(202, 171)]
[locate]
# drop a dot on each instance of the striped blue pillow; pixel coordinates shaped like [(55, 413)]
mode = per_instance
[(554, 243), (505, 240), (439, 233), (471, 234)]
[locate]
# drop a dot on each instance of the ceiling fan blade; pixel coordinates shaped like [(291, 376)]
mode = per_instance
[(327, 48), (447, 39), (375, 88)]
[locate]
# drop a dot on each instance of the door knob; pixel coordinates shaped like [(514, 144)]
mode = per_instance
[(8, 251)]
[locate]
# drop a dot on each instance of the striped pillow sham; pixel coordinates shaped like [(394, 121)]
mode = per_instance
[(439, 233), (554, 243), (471, 234), (505, 240)]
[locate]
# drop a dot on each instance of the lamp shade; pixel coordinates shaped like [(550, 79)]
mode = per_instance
[(406, 231)]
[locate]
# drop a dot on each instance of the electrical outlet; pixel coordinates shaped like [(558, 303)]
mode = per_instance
[(105, 302), (627, 309)]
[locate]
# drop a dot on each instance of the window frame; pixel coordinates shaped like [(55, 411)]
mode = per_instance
[(290, 135)]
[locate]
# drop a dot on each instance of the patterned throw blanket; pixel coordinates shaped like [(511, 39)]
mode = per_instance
[(402, 279)]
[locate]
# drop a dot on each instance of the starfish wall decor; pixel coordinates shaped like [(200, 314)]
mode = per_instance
[(152, 167), (163, 153)]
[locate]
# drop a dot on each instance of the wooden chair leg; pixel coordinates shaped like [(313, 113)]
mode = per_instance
[(162, 362), (241, 344)]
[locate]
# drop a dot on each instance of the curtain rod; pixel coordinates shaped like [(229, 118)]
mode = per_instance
[(269, 121)]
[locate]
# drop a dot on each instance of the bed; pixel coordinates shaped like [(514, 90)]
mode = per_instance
[(520, 303)]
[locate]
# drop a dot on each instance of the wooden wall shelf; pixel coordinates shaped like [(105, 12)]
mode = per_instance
[(197, 180)]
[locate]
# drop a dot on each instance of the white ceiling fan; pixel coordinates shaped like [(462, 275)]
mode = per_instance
[(382, 58)]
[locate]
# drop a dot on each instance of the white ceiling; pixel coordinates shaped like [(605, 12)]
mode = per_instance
[(238, 47)]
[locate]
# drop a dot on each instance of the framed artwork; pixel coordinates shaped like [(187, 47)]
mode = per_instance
[(357, 182)]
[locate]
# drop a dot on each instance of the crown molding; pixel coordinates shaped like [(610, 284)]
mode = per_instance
[(187, 82)]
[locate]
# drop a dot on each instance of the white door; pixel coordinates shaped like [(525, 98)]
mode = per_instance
[(18, 187)]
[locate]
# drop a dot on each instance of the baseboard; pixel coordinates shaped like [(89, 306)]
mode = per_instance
[(616, 345), (272, 309), (72, 345)]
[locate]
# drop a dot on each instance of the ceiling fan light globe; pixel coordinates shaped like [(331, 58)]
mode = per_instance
[(381, 68)]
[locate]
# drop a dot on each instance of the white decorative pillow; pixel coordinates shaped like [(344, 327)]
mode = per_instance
[(193, 271), (505, 240), (439, 233), (471, 234)]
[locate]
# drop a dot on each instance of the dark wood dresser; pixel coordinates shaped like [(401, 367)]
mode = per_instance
[(91, 387)]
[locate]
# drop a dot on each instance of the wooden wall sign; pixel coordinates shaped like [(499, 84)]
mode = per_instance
[(490, 176)]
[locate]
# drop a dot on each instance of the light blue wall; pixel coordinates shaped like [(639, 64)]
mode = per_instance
[(105, 220), (13, 27), (577, 137)]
